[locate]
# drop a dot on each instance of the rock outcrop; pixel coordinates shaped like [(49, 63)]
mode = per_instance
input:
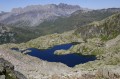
[(7, 71)]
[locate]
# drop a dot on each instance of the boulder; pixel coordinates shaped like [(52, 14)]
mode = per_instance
[(19, 75), (7, 71), (6, 64)]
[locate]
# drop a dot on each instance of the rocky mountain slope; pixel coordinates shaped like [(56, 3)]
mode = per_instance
[(6, 35), (77, 19), (101, 39), (36, 14), (106, 29), (88, 42), (59, 25)]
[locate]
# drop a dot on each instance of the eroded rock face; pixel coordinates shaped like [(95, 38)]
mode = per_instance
[(35, 14), (7, 71)]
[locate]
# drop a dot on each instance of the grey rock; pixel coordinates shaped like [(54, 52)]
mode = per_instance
[(107, 74), (19, 75), (1, 69), (2, 76), (6, 64), (7, 71)]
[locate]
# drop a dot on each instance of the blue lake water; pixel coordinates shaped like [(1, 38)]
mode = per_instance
[(70, 59)]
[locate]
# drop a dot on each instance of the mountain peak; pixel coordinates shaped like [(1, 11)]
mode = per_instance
[(44, 7), (33, 15)]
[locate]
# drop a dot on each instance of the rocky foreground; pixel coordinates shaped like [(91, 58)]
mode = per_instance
[(7, 71), (34, 68)]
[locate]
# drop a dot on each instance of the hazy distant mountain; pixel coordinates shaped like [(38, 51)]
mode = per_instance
[(28, 16), (77, 19), (36, 14)]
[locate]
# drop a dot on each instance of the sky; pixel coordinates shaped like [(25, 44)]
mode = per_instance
[(7, 5)]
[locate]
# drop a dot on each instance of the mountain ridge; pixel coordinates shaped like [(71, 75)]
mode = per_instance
[(60, 24), (106, 29), (36, 14)]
